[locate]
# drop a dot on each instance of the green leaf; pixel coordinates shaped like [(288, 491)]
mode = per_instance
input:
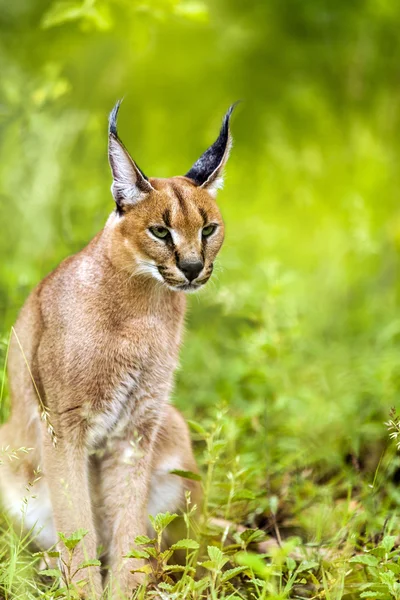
[(388, 577), (166, 555), (365, 559), (136, 553), (197, 428), (388, 542), (186, 474), (174, 568), (201, 584), (145, 569), (208, 564), (162, 520), (152, 551), (290, 563), (50, 572), (254, 562), (166, 586), (186, 544), (217, 557), (226, 575), (370, 594), (257, 581), (89, 563), (143, 539), (395, 567), (178, 568), (73, 540), (252, 535), (63, 593), (307, 565), (217, 448), (243, 495)]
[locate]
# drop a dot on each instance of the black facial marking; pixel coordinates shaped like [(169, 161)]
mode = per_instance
[(167, 217), (169, 241), (181, 199), (204, 215), (211, 159)]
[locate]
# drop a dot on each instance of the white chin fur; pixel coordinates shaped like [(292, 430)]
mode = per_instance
[(189, 289), (148, 268)]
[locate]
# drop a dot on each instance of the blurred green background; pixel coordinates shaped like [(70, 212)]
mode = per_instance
[(296, 340)]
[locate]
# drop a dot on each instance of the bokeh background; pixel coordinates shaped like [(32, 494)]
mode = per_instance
[(293, 349)]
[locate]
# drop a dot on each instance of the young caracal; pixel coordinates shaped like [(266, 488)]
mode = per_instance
[(91, 366)]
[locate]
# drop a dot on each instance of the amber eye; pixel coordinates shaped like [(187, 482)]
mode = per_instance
[(160, 232), (208, 230)]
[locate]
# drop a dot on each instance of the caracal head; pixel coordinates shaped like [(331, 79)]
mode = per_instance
[(168, 229)]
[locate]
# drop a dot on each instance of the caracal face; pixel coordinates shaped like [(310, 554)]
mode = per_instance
[(174, 235)]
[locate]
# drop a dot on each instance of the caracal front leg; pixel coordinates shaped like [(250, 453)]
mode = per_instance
[(125, 474), (66, 471)]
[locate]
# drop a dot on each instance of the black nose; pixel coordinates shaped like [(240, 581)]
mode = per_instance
[(191, 269)]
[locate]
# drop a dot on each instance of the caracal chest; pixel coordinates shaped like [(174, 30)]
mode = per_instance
[(114, 364), (135, 355), (134, 373)]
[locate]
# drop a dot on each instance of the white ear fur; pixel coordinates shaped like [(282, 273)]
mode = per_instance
[(129, 185), (215, 181)]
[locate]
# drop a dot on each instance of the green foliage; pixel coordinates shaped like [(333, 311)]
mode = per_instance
[(73, 540), (186, 544), (291, 361), (161, 521), (382, 570), (186, 474)]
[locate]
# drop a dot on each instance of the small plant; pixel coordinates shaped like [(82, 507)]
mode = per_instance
[(157, 556), (67, 571), (393, 426), (12, 453), (381, 568)]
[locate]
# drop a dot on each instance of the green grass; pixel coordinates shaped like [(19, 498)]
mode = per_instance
[(291, 359), (289, 368)]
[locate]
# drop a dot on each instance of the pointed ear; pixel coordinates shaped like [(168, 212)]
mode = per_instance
[(207, 171), (130, 184)]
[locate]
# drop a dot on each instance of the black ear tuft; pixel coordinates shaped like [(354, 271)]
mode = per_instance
[(130, 184), (112, 131), (112, 120), (211, 160)]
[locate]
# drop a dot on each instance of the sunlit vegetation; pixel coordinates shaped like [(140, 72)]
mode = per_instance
[(291, 360)]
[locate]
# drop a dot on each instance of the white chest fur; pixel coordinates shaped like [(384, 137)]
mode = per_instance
[(117, 411), (142, 386)]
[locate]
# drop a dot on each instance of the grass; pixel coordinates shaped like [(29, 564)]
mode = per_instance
[(309, 538), (291, 360), (289, 370)]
